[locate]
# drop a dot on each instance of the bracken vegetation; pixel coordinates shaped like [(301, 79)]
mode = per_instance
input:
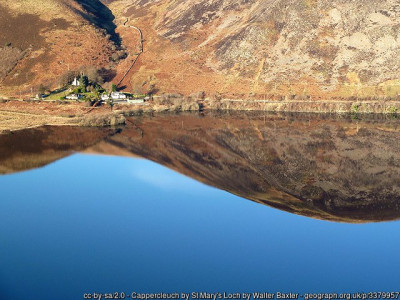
[(9, 57)]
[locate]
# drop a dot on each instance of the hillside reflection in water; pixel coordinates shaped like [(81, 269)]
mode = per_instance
[(90, 222), (337, 169)]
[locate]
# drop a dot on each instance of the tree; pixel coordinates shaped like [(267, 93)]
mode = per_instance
[(96, 95), (66, 78), (114, 87), (110, 103), (94, 75), (42, 89), (152, 89), (84, 82)]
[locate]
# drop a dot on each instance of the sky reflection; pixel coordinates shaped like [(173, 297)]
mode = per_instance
[(96, 223)]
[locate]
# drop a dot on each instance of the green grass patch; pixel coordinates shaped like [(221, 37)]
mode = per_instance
[(57, 96)]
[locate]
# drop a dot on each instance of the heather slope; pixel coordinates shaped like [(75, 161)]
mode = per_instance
[(272, 49), (316, 48), (42, 40)]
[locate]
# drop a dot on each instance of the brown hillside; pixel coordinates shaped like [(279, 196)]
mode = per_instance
[(41, 40), (241, 49), (260, 48)]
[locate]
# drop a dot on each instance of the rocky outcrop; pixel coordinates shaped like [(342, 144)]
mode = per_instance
[(242, 49)]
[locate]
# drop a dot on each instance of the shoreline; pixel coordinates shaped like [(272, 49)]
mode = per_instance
[(311, 106), (17, 115), (173, 102)]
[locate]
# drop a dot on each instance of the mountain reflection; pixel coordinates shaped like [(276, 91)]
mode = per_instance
[(330, 168)]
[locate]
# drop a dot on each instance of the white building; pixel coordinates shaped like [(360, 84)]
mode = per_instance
[(76, 82), (73, 97), (105, 97), (118, 96)]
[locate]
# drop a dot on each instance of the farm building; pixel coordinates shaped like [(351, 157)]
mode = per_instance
[(73, 97), (118, 96)]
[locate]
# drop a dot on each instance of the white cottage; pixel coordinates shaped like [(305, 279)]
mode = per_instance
[(76, 82), (118, 96), (73, 97), (105, 97)]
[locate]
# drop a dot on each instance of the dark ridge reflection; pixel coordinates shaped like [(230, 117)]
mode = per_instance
[(336, 168)]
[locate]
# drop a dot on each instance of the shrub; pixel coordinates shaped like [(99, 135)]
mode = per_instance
[(355, 108), (392, 109)]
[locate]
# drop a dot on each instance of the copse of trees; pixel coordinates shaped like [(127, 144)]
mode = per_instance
[(94, 75), (42, 89), (83, 83), (66, 78)]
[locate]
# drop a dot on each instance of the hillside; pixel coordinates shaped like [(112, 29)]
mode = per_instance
[(275, 49), (272, 48), (40, 41)]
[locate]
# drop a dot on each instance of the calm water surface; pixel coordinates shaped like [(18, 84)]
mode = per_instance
[(94, 223)]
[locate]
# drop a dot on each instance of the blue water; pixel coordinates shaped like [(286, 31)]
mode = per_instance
[(106, 224)]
